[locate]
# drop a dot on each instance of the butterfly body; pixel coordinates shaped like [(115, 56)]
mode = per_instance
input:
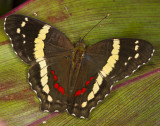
[(68, 78), (77, 56)]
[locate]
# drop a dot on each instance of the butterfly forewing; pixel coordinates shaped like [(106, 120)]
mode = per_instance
[(29, 36), (67, 79), (132, 53)]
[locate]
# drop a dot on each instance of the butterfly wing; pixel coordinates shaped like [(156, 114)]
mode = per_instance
[(50, 81), (127, 56), (46, 49), (28, 36), (107, 61)]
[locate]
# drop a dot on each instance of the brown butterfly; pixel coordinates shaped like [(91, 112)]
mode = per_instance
[(72, 78)]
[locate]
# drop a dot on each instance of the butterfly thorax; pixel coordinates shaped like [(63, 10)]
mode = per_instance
[(78, 53), (77, 57)]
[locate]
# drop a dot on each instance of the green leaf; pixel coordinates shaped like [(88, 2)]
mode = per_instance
[(134, 103)]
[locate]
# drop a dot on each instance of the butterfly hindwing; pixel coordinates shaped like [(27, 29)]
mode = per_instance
[(91, 90), (51, 82), (84, 97)]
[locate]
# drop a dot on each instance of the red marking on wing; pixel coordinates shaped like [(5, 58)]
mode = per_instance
[(78, 93), (56, 85), (60, 89), (91, 78), (52, 72), (55, 77), (83, 90), (87, 82)]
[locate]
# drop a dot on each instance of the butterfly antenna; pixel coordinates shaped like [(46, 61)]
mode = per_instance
[(95, 26), (71, 19)]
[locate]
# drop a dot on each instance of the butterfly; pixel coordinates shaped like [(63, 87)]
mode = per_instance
[(72, 78)]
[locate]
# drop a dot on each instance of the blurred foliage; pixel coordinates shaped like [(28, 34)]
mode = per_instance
[(7, 5)]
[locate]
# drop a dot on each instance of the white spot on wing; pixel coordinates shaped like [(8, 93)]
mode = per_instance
[(84, 104), (133, 71), (18, 30), (44, 80), (106, 95), (39, 99), (90, 96), (42, 64), (56, 111), (39, 54), (129, 58), (95, 88), (111, 87), (137, 42), (43, 71), (49, 98), (23, 35), (149, 59), (99, 79), (82, 117), (116, 41), (126, 76), (45, 111), (92, 109), (46, 89), (136, 47), (111, 62), (99, 101), (26, 19), (136, 56), (23, 24), (103, 73), (73, 114)]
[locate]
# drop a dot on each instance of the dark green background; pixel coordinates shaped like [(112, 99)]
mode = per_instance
[(133, 104), (7, 5)]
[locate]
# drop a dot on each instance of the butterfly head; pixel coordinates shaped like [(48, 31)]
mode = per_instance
[(80, 45)]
